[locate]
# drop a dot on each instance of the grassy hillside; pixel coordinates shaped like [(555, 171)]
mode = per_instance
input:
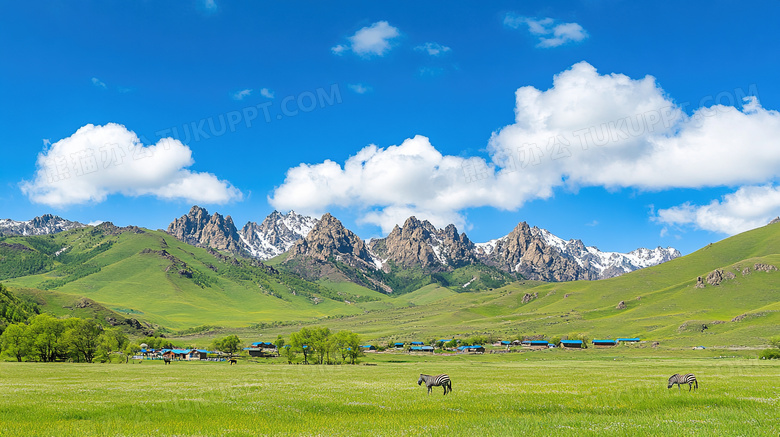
[(661, 303), (156, 278), (153, 277)]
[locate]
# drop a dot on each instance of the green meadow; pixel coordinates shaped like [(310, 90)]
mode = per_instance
[(560, 393)]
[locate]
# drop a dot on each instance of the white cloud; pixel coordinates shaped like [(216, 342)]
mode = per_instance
[(268, 94), (98, 83), (433, 48), (390, 183), (210, 5), (359, 88), (339, 49), (550, 32), (587, 130), (98, 161), (374, 40), (241, 95), (747, 208), (614, 131)]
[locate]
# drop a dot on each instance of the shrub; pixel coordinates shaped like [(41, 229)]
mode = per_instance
[(770, 354)]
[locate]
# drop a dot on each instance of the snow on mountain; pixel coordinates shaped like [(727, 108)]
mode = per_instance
[(488, 247), (276, 234), (43, 225), (602, 264)]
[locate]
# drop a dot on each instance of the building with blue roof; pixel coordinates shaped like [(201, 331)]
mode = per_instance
[(605, 343), (629, 340), (473, 348), (535, 343), (575, 344)]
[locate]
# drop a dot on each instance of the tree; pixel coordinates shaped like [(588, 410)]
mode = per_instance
[(157, 343), (301, 341), (45, 335), (341, 344), (288, 352), (353, 345), (15, 341), (82, 338), (230, 344), (112, 340), (320, 343)]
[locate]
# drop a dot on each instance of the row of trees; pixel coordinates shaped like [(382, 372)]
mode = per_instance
[(46, 338), (321, 346)]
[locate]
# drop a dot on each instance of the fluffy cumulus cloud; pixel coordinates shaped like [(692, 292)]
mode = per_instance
[(747, 208), (588, 129), (373, 40), (98, 161), (390, 184), (550, 32)]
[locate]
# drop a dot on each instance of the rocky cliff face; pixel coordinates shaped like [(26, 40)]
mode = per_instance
[(201, 229), (591, 263), (419, 243), (43, 225), (329, 239), (276, 234), (533, 252), (526, 252)]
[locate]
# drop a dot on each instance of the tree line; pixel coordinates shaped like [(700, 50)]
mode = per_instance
[(46, 338), (320, 346)]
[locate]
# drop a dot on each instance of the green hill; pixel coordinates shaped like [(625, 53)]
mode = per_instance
[(661, 303), (156, 278), (152, 277)]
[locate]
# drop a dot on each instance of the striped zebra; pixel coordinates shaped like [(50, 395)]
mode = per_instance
[(442, 380), (688, 378)]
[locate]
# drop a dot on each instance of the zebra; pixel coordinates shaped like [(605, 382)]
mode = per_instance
[(688, 378), (442, 380)]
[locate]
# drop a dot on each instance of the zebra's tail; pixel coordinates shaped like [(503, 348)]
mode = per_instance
[(696, 384)]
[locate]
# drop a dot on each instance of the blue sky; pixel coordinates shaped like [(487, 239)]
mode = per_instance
[(620, 123)]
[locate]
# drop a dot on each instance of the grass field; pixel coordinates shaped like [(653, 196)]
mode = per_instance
[(562, 393)]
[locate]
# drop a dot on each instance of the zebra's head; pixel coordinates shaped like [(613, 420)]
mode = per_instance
[(420, 381), (672, 381)]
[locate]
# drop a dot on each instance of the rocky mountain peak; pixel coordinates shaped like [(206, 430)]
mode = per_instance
[(419, 243), (329, 239), (526, 251), (199, 228), (276, 234), (531, 251), (43, 225)]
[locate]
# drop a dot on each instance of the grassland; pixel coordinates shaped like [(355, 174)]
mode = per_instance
[(558, 393)]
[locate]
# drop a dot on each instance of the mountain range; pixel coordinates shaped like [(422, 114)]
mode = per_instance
[(531, 252), (419, 281), (43, 225)]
